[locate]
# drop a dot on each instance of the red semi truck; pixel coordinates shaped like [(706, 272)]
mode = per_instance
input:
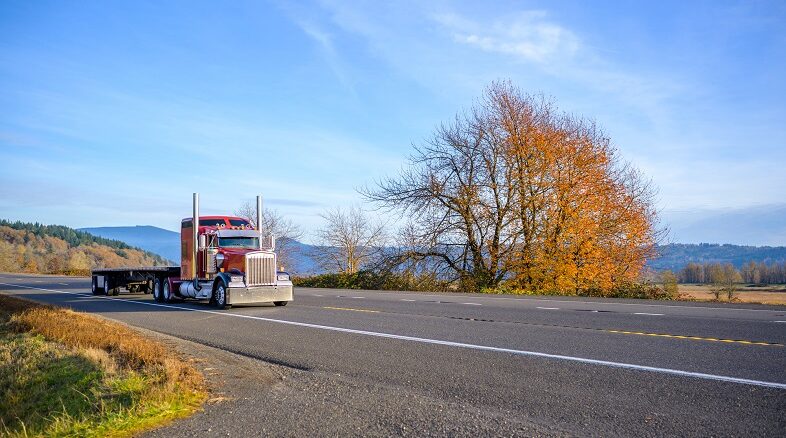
[(224, 259)]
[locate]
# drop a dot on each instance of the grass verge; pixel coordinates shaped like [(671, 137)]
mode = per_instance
[(64, 373)]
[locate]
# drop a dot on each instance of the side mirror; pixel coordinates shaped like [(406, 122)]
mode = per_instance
[(202, 242)]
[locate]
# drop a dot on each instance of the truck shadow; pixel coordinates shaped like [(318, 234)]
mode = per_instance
[(123, 303)]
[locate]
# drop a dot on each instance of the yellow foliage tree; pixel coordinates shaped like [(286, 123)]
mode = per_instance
[(516, 191)]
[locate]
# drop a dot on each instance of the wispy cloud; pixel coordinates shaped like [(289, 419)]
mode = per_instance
[(527, 35), (327, 48)]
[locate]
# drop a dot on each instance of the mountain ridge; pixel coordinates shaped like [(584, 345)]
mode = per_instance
[(673, 256)]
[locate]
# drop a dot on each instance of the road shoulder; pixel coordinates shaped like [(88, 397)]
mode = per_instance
[(252, 397)]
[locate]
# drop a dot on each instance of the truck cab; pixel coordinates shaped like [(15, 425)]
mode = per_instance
[(231, 262)]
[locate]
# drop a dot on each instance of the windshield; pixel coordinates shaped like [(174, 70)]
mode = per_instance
[(239, 223), (212, 223), (238, 242)]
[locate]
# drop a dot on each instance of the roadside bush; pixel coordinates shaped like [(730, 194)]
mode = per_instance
[(642, 290), (373, 280)]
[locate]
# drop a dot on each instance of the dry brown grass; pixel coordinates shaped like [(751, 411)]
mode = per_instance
[(773, 294), (172, 388), (126, 346)]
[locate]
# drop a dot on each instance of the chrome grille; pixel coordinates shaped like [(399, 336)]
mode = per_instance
[(260, 268)]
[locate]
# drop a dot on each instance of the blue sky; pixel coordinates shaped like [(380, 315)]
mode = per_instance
[(113, 113)]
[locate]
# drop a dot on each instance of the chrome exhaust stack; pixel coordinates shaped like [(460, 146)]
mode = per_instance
[(259, 213), (195, 242)]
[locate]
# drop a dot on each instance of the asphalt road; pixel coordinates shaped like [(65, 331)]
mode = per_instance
[(566, 366)]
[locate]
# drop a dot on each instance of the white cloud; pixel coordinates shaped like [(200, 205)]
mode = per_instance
[(526, 35)]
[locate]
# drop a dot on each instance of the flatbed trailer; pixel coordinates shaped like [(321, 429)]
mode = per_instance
[(108, 281)]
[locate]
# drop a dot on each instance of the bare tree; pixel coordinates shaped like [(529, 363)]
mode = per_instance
[(349, 241), (286, 232)]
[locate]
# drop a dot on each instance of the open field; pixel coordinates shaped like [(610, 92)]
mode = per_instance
[(64, 373), (769, 294)]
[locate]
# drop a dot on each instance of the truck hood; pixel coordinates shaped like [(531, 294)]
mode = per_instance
[(235, 258)]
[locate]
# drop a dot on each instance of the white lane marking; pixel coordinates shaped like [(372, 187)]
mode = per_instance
[(64, 284), (650, 314), (404, 299), (473, 304), (779, 321), (317, 295), (548, 308), (357, 297), (583, 360), (589, 302)]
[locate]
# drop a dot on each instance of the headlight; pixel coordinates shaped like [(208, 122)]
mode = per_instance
[(282, 276), (219, 260)]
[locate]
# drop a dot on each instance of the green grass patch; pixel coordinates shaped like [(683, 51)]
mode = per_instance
[(54, 382)]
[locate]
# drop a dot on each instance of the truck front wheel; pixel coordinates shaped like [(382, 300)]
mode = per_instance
[(96, 290), (220, 295)]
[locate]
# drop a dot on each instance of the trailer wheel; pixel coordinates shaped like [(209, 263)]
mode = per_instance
[(107, 286), (280, 303), (219, 298), (96, 290), (157, 294), (166, 291)]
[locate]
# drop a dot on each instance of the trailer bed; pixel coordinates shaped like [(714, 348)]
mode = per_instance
[(108, 281)]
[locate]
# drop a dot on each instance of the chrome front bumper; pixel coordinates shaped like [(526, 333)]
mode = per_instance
[(259, 294)]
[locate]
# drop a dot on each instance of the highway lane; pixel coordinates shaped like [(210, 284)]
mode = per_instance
[(571, 393)]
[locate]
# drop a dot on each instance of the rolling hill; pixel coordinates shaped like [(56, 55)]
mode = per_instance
[(156, 240), (56, 249)]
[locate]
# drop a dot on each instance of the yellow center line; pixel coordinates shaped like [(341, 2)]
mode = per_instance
[(695, 338), (350, 309), (622, 332)]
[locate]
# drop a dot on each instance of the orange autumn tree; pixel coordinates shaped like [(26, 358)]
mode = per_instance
[(516, 191)]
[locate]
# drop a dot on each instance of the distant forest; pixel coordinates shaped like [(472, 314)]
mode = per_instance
[(752, 273), (676, 256), (705, 263), (55, 249)]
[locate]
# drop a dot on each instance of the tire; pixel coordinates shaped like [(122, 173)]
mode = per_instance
[(280, 303), (107, 287), (96, 290), (219, 298), (166, 291), (157, 293)]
